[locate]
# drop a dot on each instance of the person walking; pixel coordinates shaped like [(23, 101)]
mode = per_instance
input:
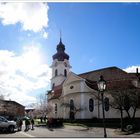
[(32, 124), (27, 125), (20, 125)]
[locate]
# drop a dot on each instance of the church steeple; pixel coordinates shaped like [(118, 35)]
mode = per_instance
[(60, 65), (60, 55)]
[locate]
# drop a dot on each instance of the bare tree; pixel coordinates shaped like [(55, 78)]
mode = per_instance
[(127, 100), (40, 108), (2, 97), (74, 110)]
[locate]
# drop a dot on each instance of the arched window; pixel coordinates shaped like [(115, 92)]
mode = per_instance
[(55, 108), (53, 85), (56, 72), (106, 104), (91, 105), (65, 72)]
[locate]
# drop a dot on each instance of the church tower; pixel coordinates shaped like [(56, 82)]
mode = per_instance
[(60, 65)]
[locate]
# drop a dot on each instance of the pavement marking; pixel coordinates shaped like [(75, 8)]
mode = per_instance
[(28, 135)]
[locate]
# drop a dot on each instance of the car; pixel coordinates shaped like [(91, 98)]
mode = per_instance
[(10, 126)]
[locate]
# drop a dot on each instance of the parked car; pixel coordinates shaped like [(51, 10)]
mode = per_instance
[(7, 125)]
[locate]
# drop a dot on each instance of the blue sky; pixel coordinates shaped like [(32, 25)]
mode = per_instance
[(99, 35), (96, 35)]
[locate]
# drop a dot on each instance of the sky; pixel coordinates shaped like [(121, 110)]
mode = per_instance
[(95, 35)]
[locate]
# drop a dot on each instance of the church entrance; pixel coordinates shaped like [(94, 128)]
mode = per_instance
[(72, 114)]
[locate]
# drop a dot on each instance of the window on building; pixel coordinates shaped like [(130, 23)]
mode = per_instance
[(53, 85), (55, 108), (91, 105), (106, 104), (71, 87), (56, 72), (65, 72)]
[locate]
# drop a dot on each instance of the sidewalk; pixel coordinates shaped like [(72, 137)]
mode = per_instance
[(98, 131), (111, 133)]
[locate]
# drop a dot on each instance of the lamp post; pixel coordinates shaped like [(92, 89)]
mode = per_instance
[(101, 87)]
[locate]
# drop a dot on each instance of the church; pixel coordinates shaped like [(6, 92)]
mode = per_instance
[(75, 96)]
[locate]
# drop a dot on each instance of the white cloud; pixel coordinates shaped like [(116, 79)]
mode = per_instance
[(22, 74), (32, 16), (45, 35), (132, 69)]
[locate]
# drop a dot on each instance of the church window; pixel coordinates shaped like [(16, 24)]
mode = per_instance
[(55, 108), (65, 72), (91, 105), (106, 104), (53, 85), (56, 72), (71, 87)]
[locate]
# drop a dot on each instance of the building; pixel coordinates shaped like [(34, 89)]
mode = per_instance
[(11, 109), (76, 96)]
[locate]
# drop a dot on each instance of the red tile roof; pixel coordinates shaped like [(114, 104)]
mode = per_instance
[(112, 84), (116, 79), (91, 84), (56, 92), (110, 73), (120, 84)]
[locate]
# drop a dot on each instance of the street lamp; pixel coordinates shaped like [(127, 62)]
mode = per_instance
[(101, 87)]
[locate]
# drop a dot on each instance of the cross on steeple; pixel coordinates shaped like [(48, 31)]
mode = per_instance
[(60, 55), (60, 36)]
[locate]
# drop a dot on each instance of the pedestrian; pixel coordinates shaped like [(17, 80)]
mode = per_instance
[(17, 122), (20, 125), (32, 124), (41, 119), (45, 119), (27, 125)]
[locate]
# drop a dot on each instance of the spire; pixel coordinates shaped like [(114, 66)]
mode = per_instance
[(60, 46), (60, 37), (60, 55)]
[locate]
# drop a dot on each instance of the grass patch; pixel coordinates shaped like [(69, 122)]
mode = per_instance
[(75, 124), (38, 121)]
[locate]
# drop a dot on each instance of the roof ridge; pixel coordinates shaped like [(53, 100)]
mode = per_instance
[(101, 70)]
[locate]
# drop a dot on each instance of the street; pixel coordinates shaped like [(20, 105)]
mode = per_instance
[(67, 132), (45, 132)]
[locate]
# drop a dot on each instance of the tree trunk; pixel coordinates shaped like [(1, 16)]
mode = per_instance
[(128, 114), (121, 119), (133, 118), (134, 113)]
